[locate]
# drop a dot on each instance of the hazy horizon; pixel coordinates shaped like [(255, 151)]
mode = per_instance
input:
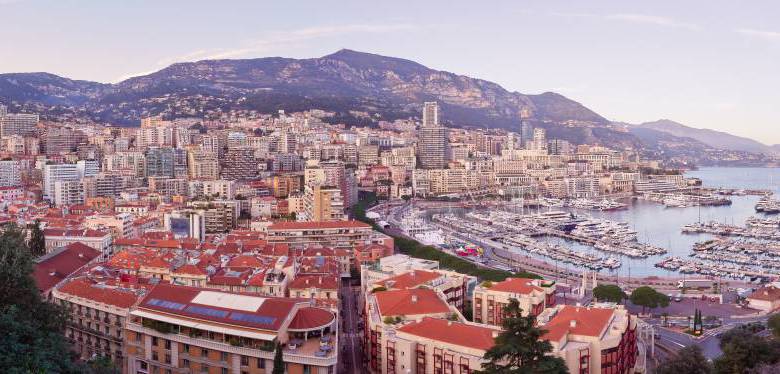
[(705, 64)]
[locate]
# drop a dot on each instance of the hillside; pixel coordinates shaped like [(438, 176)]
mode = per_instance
[(712, 138), (346, 80)]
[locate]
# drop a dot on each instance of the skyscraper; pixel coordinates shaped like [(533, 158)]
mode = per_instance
[(430, 114), (526, 133), (432, 139)]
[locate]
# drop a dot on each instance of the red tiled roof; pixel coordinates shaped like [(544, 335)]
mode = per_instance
[(51, 270), (410, 302), (588, 322), (311, 318), (88, 290), (317, 225), (75, 233), (456, 333), (409, 279), (516, 285), (318, 281), (190, 269)]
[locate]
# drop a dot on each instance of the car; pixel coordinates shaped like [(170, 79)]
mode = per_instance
[(678, 298)]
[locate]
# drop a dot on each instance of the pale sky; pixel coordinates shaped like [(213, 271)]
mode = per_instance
[(707, 64)]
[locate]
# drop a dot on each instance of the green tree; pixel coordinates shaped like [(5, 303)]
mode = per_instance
[(774, 324), (278, 360), (31, 339), (648, 297), (688, 360), (520, 349), (37, 240), (609, 293), (744, 351)]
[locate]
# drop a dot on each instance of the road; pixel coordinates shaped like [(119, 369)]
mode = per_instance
[(351, 352)]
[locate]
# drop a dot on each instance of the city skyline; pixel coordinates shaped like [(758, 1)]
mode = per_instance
[(628, 62)]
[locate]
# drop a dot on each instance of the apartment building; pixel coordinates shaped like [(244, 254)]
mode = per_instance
[(593, 340), (96, 316), (177, 329), (323, 203), (490, 299), (337, 234)]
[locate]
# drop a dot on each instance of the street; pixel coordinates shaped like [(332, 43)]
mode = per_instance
[(351, 352)]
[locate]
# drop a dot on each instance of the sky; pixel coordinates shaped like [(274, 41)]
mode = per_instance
[(707, 64)]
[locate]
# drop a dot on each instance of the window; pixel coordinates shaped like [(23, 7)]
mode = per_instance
[(168, 358), (186, 348), (306, 369), (138, 337), (155, 341), (204, 352), (167, 344), (185, 363), (261, 363), (224, 356), (224, 371), (143, 365), (155, 356), (244, 361)]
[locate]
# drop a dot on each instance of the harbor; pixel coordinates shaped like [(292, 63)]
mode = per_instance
[(643, 239)]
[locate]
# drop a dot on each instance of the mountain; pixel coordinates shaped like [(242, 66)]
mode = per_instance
[(712, 138), (343, 81)]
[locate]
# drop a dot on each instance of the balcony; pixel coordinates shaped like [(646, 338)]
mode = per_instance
[(299, 356)]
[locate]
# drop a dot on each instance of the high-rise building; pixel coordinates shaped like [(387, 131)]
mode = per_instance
[(430, 114), (57, 140), (202, 164), (239, 164), (526, 133), (21, 124), (432, 139), (57, 172), (10, 173), (166, 162), (323, 203)]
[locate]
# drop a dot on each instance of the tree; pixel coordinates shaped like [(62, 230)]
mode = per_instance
[(774, 324), (520, 349), (278, 360), (648, 297), (688, 360), (37, 240), (32, 340), (609, 293), (743, 351)]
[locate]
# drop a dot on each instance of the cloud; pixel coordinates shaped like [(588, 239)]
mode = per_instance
[(634, 18), (653, 20), (772, 36), (275, 40)]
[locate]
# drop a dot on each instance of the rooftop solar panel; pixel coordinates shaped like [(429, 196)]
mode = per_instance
[(166, 304), (262, 320), (207, 311)]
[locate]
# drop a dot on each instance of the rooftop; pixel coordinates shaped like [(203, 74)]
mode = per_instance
[(452, 332), (219, 307), (578, 320), (62, 262), (410, 302)]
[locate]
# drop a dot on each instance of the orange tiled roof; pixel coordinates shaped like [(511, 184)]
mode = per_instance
[(410, 302), (516, 285), (587, 322), (456, 333), (87, 290), (409, 279)]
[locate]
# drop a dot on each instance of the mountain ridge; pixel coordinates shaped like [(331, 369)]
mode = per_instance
[(713, 138), (370, 82)]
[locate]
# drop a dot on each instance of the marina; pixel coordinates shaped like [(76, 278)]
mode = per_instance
[(643, 239)]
